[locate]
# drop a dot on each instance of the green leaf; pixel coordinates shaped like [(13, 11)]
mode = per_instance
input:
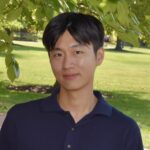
[(94, 3), (3, 4), (113, 1), (8, 60), (1, 16), (49, 12), (134, 18), (110, 7), (39, 13), (129, 37), (38, 1), (135, 27), (73, 1), (29, 4), (5, 36), (56, 5), (123, 12), (14, 14), (9, 48), (13, 71), (16, 69), (2, 46), (109, 20), (72, 4)]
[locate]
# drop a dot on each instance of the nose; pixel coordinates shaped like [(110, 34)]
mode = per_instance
[(68, 62)]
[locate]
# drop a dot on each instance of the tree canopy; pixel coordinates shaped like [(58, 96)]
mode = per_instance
[(130, 19)]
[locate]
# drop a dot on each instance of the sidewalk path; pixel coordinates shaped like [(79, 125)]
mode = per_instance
[(2, 117)]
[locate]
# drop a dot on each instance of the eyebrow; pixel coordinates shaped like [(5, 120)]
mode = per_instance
[(76, 45), (72, 46), (56, 49)]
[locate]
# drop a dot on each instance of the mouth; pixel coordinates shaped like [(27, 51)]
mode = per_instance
[(70, 76)]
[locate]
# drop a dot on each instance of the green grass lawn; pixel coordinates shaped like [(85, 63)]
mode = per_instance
[(123, 78)]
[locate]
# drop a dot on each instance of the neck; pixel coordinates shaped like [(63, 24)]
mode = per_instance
[(78, 102)]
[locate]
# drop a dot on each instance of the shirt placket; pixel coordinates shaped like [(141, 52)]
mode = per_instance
[(69, 142)]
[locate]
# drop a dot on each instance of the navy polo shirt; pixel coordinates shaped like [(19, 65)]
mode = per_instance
[(43, 125)]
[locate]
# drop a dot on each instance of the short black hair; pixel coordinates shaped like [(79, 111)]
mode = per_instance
[(84, 28)]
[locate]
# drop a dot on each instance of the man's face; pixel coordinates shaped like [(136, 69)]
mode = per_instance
[(74, 64)]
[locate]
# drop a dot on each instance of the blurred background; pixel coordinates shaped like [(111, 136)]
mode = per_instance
[(124, 76)]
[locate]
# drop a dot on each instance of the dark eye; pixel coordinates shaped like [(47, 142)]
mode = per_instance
[(78, 52), (57, 55)]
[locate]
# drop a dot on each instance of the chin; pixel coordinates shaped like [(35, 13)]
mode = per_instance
[(72, 87)]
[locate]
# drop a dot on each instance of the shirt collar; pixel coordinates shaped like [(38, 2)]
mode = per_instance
[(50, 103), (101, 108)]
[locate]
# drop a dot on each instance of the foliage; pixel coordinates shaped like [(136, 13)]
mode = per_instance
[(142, 11), (119, 15)]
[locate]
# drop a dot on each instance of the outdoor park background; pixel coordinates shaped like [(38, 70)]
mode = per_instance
[(123, 78)]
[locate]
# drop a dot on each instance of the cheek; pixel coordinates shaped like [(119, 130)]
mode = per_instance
[(56, 68), (88, 64)]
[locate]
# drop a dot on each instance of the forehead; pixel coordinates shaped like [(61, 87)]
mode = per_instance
[(66, 40)]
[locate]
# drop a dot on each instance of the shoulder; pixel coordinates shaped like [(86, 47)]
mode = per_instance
[(124, 121), (32, 108), (26, 108), (130, 130)]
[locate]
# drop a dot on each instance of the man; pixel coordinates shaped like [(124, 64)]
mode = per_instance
[(74, 117)]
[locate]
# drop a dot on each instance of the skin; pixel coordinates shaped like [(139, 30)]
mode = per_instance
[(73, 65)]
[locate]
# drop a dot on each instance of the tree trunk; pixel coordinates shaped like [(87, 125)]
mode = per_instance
[(119, 45), (8, 31)]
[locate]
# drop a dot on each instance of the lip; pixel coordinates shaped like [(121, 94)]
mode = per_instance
[(70, 76)]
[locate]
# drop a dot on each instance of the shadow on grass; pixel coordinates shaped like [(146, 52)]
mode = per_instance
[(8, 98), (29, 48), (15, 55), (132, 104), (124, 51), (2, 54), (18, 47)]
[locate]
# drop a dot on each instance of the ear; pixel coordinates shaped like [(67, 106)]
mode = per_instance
[(99, 56)]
